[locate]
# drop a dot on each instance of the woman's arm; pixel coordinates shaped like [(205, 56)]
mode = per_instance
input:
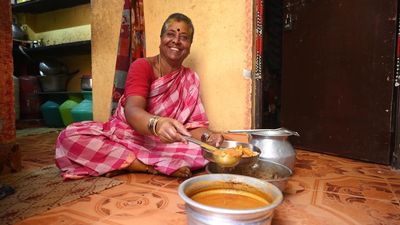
[(167, 129), (136, 115)]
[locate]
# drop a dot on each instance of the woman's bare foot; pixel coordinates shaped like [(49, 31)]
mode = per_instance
[(182, 172), (138, 166), (114, 173)]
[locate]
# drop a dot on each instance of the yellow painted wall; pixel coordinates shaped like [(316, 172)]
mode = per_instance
[(221, 51), (59, 26)]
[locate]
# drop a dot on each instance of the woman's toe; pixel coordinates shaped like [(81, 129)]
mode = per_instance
[(182, 172)]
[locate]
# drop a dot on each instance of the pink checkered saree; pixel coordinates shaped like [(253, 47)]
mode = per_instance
[(92, 148)]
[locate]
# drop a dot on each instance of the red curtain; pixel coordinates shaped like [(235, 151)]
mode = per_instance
[(130, 47)]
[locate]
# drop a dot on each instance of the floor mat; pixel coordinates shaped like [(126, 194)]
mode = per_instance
[(36, 130), (43, 189)]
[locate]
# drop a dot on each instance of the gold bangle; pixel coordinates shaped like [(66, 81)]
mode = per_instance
[(155, 125), (151, 124)]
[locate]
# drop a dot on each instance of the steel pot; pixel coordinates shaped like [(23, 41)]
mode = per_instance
[(203, 214), (17, 32), (274, 144), (52, 67), (54, 83), (48, 66)]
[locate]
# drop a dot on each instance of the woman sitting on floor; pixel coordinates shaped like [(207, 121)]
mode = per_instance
[(160, 105)]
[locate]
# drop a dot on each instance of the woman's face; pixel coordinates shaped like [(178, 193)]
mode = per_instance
[(175, 42)]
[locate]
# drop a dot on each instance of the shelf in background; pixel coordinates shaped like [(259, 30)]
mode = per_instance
[(73, 48), (62, 92), (41, 6)]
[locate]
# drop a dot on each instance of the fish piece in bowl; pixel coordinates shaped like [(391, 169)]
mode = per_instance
[(249, 154)]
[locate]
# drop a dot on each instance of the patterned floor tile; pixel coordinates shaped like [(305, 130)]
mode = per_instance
[(395, 187), (81, 211), (125, 205), (298, 209), (324, 190), (146, 216), (142, 204), (357, 210), (146, 195), (361, 187), (64, 216), (299, 184), (143, 178), (316, 207), (311, 164)]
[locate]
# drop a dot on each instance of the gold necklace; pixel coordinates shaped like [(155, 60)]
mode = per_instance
[(159, 66)]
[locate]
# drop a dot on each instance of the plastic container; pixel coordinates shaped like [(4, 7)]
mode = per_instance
[(51, 115), (84, 110), (66, 108), (86, 82)]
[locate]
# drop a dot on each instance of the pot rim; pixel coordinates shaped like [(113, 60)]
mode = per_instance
[(266, 134), (230, 177), (288, 170)]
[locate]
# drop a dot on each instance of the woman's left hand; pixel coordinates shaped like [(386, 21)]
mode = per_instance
[(215, 139)]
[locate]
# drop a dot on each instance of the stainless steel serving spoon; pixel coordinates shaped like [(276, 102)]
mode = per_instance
[(223, 160), (271, 132)]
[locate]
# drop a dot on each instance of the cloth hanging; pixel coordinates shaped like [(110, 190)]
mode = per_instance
[(259, 39), (131, 46)]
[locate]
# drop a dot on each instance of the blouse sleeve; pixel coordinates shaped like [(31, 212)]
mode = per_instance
[(139, 78)]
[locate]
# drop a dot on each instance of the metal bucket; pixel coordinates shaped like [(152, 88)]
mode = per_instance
[(53, 83), (203, 214), (274, 144)]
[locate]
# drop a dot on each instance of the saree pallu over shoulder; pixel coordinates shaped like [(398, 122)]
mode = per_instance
[(177, 95), (94, 148)]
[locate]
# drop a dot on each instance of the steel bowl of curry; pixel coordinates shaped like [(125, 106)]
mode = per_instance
[(229, 199)]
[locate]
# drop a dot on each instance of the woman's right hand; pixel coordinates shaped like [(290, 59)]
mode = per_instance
[(170, 130)]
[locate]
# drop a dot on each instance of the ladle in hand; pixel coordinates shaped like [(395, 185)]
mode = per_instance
[(222, 159)]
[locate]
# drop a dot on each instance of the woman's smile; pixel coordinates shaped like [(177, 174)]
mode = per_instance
[(175, 43)]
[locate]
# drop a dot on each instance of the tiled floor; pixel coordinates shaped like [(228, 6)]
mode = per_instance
[(323, 190)]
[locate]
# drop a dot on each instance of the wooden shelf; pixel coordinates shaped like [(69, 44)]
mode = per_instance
[(41, 6), (60, 92), (73, 48)]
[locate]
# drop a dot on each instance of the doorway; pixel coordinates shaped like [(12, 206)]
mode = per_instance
[(329, 71), (272, 63)]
